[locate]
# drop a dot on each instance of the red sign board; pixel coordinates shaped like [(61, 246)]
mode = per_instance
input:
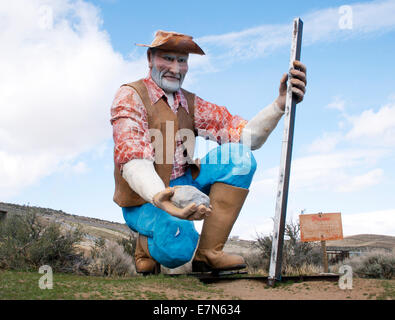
[(321, 226)]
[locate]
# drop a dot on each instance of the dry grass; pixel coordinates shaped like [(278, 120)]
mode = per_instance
[(304, 269), (110, 259)]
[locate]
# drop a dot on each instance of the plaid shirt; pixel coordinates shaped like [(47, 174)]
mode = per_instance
[(130, 125)]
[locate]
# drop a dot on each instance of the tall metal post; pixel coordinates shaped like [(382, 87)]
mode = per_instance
[(285, 164)]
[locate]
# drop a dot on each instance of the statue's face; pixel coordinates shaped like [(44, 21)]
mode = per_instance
[(168, 69)]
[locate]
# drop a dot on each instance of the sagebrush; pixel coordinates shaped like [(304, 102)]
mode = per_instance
[(374, 264), (26, 243), (110, 259), (298, 257)]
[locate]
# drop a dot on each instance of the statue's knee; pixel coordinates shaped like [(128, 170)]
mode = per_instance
[(242, 159), (252, 162)]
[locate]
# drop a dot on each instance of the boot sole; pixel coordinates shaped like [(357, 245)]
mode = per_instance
[(155, 271), (200, 266)]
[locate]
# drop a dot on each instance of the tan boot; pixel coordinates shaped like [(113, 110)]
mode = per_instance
[(226, 202), (145, 264)]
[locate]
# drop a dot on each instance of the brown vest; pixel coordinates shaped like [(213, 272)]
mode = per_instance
[(159, 117)]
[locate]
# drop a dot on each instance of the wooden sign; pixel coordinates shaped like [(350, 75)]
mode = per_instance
[(321, 227)]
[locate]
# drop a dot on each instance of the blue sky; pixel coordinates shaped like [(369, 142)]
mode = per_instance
[(64, 60)]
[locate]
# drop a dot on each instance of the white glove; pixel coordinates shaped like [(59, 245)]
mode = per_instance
[(258, 129), (141, 176)]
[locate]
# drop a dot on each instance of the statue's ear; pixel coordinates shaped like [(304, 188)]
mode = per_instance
[(150, 58)]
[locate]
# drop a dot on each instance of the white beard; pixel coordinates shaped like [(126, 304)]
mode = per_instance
[(164, 84)]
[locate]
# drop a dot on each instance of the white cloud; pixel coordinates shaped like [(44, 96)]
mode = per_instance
[(328, 171), (360, 182), (249, 231), (372, 127), (248, 43), (337, 104), (319, 26), (376, 222), (337, 157), (59, 76), (326, 143), (18, 171), (78, 168)]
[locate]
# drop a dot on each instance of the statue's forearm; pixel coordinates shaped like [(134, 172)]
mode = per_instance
[(258, 129), (142, 178)]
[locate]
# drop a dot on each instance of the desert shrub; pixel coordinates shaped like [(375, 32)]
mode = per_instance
[(297, 253), (110, 259), (256, 263), (259, 261), (129, 245), (374, 264), (100, 242), (264, 244), (27, 243), (298, 257)]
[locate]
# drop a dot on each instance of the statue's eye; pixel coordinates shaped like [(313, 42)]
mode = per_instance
[(167, 58)]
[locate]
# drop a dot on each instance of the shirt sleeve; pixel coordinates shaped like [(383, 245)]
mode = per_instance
[(130, 128), (216, 123)]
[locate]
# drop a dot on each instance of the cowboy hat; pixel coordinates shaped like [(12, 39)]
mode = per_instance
[(173, 41)]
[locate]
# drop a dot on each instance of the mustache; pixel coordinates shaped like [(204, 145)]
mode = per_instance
[(168, 73)]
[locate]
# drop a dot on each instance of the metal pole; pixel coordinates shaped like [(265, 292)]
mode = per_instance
[(285, 164)]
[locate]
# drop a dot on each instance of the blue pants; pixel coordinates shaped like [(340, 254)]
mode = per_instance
[(172, 241)]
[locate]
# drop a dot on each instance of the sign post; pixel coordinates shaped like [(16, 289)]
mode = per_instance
[(285, 164), (324, 256)]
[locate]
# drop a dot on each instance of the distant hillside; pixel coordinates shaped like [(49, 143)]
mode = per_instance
[(365, 241), (96, 228)]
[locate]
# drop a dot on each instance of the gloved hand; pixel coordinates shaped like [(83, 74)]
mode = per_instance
[(189, 202), (298, 82), (184, 202)]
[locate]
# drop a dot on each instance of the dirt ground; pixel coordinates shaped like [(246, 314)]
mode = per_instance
[(242, 289), (362, 289), (24, 285)]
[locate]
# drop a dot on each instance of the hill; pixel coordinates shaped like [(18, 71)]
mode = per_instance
[(364, 242), (95, 228)]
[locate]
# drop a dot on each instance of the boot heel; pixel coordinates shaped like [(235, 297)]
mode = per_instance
[(154, 271), (200, 266), (157, 269)]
